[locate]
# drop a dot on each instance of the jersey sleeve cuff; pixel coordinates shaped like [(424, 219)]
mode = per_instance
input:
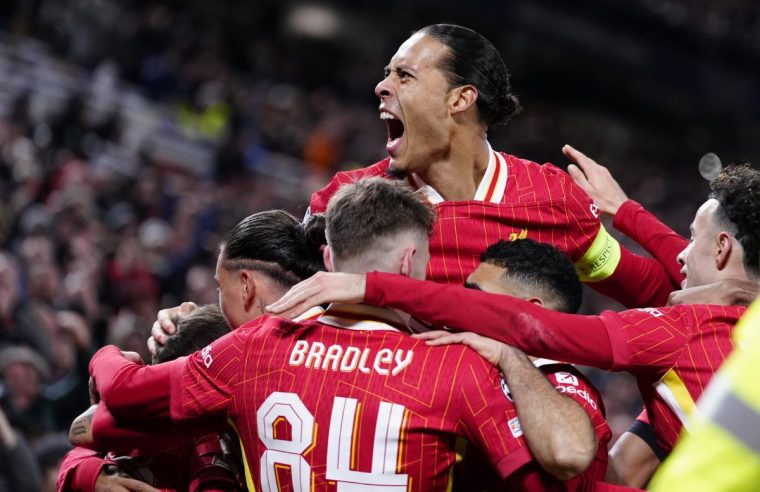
[(513, 461)]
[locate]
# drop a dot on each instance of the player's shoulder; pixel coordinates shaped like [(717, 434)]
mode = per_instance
[(320, 198), (544, 181)]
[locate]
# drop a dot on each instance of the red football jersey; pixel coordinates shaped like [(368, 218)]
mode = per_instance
[(518, 199), (343, 401), (532, 478), (672, 351)]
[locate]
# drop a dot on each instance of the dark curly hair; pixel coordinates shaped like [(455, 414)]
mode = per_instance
[(473, 60), (277, 244), (542, 267), (737, 189)]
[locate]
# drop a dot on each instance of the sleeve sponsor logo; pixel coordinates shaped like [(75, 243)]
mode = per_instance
[(566, 378), (653, 311), (572, 390), (206, 356)]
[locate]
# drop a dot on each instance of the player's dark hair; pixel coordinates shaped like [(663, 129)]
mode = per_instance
[(277, 244), (473, 60), (194, 331), (737, 189), (368, 209), (538, 266)]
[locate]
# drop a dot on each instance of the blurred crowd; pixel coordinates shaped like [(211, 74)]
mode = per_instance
[(129, 143)]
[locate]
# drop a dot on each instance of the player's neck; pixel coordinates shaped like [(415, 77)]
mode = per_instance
[(457, 176)]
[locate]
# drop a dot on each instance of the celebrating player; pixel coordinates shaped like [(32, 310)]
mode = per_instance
[(672, 351), (347, 398), (443, 89)]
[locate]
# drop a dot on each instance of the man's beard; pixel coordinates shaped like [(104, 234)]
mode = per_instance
[(398, 174)]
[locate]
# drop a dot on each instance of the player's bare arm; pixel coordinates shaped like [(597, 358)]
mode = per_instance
[(321, 288), (596, 180), (728, 292), (632, 461), (80, 432), (558, 430)]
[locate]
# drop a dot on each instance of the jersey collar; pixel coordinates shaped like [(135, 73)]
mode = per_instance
[(362, 317), (314, 312), (491, 188)]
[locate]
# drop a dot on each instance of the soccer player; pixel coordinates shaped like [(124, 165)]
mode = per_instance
[(267, 253), (170, 458), (443, 89), (672, 351), (721, 453), (635, 455), (542, 275), (346, 400)]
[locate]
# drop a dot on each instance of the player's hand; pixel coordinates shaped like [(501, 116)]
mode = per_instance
[(133, 357), (727, 292), (321, 288), (108, 481), (488, 348), (596, 180), (93, 389), (164, 327)]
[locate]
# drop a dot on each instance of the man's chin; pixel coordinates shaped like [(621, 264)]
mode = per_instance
[(396, 171)]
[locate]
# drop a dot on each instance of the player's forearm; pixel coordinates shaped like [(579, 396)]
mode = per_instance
[(660, 241), (131, 390), (557, 429), (637, 282), (537, 331)]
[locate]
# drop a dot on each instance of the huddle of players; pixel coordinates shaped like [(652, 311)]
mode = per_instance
[(345, 398)]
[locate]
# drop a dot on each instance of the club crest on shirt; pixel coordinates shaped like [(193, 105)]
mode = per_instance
[(505, 389)]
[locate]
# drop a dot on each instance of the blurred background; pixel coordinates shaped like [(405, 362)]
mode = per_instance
[(134, 133)]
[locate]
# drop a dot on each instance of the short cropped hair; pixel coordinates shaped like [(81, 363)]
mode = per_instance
[(538, 266), (194, 331), (473, 60), (277, 244), (737, 189), (362, 212)]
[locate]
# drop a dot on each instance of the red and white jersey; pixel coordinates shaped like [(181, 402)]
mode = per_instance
[(673, 351), (516, 199), (344, 401)]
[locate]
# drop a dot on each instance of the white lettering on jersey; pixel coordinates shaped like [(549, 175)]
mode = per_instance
[(572, 390), (316, 355), (206, 355), (653, 311)]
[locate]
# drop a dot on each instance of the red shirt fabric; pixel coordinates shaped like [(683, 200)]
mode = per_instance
[(672, 351), (345, 398), (525, 199), (659, 240)]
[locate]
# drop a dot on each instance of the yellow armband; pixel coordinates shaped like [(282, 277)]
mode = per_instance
[(601, 259)]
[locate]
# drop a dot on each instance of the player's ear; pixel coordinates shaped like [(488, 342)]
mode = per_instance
[(723, 251), (406, 266), (327, 257), (535, 300), (247, 288), (462, 98)]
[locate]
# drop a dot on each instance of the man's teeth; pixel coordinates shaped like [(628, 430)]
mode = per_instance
[(384, 115)]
